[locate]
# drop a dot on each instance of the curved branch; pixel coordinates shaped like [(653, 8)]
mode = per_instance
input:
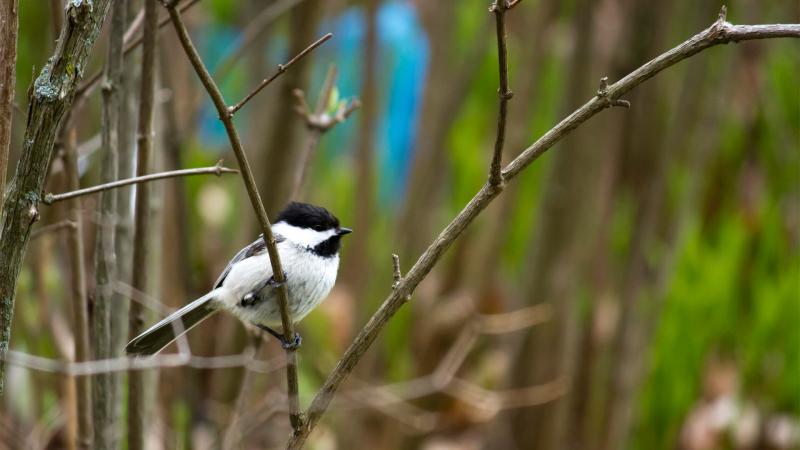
[(721, 32)]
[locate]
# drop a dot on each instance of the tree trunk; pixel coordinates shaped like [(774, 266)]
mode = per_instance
[(51, 98)]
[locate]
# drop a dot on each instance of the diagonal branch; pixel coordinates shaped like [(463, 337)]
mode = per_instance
[(226, 116), (721, 32), (217, 170), (281, 69)]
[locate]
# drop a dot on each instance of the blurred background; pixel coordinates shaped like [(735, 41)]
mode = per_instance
[(638, 287)]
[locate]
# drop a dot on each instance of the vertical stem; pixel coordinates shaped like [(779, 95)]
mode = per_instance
[(258, 207), (495, 175), (105, 258), (8, 62), (136, 394), (79, 300), (123, 234)]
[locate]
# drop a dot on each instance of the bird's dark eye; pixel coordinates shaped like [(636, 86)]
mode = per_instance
[(318, 227)]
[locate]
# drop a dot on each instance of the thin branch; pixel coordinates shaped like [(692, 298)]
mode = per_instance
[(80, 301), (720, 32), (130, 43), (281, 69), (142, 229), (318, 123), (217, 170), (226, 116), (396, 274), (60, 225), (499, 8), (122, 364), (104, 386)]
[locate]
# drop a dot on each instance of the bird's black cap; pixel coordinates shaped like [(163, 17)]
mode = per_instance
[(303, 215)]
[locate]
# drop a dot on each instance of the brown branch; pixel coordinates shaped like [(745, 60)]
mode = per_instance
[(80, 303), (720, 32), (51, 96), (142, 228), (226, 116), (217, 170), (122, 364), (281, 69), (8, 63), (104, 386), (60, 225), (130, 43), (499, 8), (396, 274), (318, 122)]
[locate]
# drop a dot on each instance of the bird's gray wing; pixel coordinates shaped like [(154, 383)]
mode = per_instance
[(255, 248)]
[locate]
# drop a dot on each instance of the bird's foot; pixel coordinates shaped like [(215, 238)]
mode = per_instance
[(287, 344), (292, 345)]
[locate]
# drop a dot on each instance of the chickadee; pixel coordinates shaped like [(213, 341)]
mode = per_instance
[(308, 239)]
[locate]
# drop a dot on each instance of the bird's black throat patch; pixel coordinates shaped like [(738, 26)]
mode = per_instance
[(329, 247)]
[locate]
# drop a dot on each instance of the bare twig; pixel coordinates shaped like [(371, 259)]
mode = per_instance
[(324, 121), (226, 116), (396, 274), (602, 92), (499, 8), (141, 243), (719, 33), (60, 225), (281, 69), (217, 170), (130, 44), (318, 122), (80, 303), (122, 364)]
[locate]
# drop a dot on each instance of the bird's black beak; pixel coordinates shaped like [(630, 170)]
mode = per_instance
[(342, 231)]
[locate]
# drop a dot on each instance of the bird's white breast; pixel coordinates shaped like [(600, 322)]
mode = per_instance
[(310, 279)]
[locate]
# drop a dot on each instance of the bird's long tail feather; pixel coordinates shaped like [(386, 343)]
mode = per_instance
[(168, 329)]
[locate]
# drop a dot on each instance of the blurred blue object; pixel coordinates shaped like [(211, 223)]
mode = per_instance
[(402, 63)]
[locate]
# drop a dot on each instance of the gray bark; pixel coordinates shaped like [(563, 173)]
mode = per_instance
[(51, 97), (104, 385)]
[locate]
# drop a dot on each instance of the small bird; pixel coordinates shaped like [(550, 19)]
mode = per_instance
[(308, 239)]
